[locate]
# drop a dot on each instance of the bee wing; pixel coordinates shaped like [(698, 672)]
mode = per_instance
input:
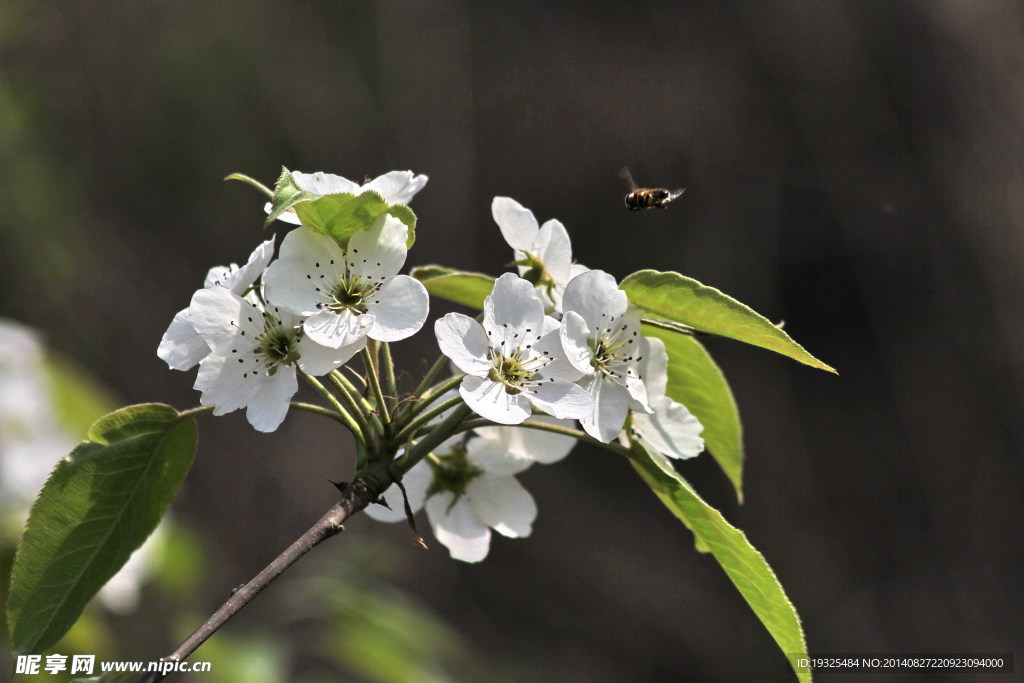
[(628, 177), (675, 194)]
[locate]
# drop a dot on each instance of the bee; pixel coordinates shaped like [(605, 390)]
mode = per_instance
[(647, 197)]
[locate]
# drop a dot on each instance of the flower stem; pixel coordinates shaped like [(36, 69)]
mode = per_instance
[(409, 431), (373, 377), (318, 410), (357, 428), (389, 375), (449, 426), (359, 407)]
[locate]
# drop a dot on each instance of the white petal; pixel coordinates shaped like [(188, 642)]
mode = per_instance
[(490, 400), (672, 429), (517, 223), (595, 296), (316, 360), (562, 399), (305, 274), (182, 347), (379, 252), (575, 336), (653, 367), (225, 383), (503, 504), (268, 406), (399, 309), (243, 278), (458, 528), (555, 250), (611, 403), (396, 187), (463, 340), (324, 183), (512, 311), (337, 330), (544, 447), (416, 481), (225, 320), (494, 457)]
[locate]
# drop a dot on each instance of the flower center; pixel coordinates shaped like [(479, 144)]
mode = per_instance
[(350, 294), (509, 371), (278, 345), (452, 472)]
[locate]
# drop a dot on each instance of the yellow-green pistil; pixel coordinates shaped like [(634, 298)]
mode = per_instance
[(350, 294), (452, 472), (509, 371), (277, 345)]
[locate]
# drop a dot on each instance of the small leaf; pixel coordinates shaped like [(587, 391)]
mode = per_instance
[(286, 195), (696, 381), (341, 215), (468, 289), (744, 565), (97, 507), (680, 299)]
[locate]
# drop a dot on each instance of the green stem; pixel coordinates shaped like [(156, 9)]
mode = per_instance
[(438, 365), (449, 426), (318, 410), (432, 394), (409, 431), (353, 425), (359, 407), (372, 376), (389, 375)]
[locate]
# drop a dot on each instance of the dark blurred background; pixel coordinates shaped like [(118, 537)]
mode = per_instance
[(855, 169)]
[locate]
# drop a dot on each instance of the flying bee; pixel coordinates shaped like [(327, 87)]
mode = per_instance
[(641, 198)]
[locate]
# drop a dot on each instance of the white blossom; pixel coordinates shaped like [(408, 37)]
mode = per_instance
[(182, 347), (255, 349), (513, 361), (671, 428), (543, 253), (350, 294), (396, 187), (600, 335)]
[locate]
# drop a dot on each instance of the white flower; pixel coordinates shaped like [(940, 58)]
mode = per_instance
[(510, 450), (543, 253), (671, 428), (182, 347), (396, 187), (600, 335), (514, 360), (349, 295), (254, 353), (467, 491)]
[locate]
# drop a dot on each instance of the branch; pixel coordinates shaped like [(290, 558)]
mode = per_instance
[(354, 497)]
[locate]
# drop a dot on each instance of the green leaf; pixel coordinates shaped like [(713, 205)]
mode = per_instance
[(680, 299), (468, 289), (696, 381), (97, 507), (286, 195), (744, 565), (341, 215)]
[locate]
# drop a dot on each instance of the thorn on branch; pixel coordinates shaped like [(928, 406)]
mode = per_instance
[(409, 517)]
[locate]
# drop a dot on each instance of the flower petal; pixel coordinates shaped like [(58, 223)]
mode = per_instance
[(225, 383), (458, 528), (652, 367), (490, 400), (225, 320), (512, 312), (554, 249), (494, 457), (305, 274), (463, 340), (595, 296), (337, 330), (503, 504), (324, 183), (269, 405), (379, 252), (396, 187), (181, 346), (575, 336), (544, 447), (315, 359), (517, 223), (562, 399), (611, 403), (672, 429), (399, 309), (243, 278)]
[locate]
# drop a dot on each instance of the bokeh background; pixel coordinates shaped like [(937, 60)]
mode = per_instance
[(854, 169)]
